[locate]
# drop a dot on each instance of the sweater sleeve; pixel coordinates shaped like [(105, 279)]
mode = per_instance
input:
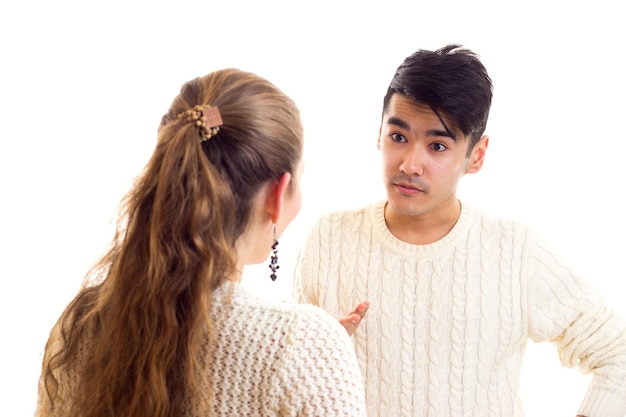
[(567, 311), (319, 373)]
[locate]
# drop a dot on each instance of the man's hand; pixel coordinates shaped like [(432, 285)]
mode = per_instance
[(353, 319)]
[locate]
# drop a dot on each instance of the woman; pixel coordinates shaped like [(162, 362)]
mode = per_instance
[(162, 326)]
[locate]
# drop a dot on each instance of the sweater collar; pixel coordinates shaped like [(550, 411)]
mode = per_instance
[(440, 247)]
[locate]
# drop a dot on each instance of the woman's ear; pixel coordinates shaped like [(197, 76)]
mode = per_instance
[(276, 196)]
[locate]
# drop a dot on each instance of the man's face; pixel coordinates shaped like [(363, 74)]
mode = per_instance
[(422, 162)]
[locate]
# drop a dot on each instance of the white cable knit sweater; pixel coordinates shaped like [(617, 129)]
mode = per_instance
[(272, 359), (448, 322)]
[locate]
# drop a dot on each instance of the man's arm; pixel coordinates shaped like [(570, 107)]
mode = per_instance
[(569, 312)]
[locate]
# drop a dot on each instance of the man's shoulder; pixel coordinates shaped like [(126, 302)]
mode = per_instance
[(486, 219), (351, 213), (347, 221)]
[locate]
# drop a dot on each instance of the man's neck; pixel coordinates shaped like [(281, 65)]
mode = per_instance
[(424, 228)]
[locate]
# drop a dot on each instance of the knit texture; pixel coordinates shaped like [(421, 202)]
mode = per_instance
[(274, 359), (449, 322)]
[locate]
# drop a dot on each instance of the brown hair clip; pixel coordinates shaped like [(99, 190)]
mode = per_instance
[(207, 119)]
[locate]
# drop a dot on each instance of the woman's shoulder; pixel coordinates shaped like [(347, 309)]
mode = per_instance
[(246, 303), (271, 326)]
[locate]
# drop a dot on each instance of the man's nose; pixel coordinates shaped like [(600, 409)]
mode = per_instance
[(413, 161)]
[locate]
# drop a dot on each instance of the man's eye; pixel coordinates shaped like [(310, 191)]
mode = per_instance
[(439, 147), (396, 137)]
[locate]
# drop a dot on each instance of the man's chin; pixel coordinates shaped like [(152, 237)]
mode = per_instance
[(404, 208)]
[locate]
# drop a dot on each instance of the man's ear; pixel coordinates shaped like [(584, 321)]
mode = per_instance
[(380, 131), (477, 158), (276, 196)]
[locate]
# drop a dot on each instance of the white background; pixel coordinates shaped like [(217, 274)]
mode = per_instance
[(83, 86)]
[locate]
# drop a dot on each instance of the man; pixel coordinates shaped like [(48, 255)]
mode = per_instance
[(453, 294)]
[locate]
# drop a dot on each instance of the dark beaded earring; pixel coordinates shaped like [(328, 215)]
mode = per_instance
[(274, 259)]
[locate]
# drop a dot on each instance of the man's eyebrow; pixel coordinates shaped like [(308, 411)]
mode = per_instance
[(441, 133), (396, 121)]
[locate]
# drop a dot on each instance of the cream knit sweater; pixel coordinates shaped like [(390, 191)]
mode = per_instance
[(449, 321), (273, 359)]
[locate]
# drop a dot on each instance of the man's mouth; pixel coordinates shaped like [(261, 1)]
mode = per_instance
[(407, 188)]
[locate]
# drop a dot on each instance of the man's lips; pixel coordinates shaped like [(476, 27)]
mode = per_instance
[(407, 188)]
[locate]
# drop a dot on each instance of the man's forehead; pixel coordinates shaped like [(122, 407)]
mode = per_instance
[(406, 109), (402, 112)]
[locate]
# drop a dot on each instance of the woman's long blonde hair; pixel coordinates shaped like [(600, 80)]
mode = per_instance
[(129, 344)]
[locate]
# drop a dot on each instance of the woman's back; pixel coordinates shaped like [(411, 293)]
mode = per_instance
[(278, 359), (267, 359)]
